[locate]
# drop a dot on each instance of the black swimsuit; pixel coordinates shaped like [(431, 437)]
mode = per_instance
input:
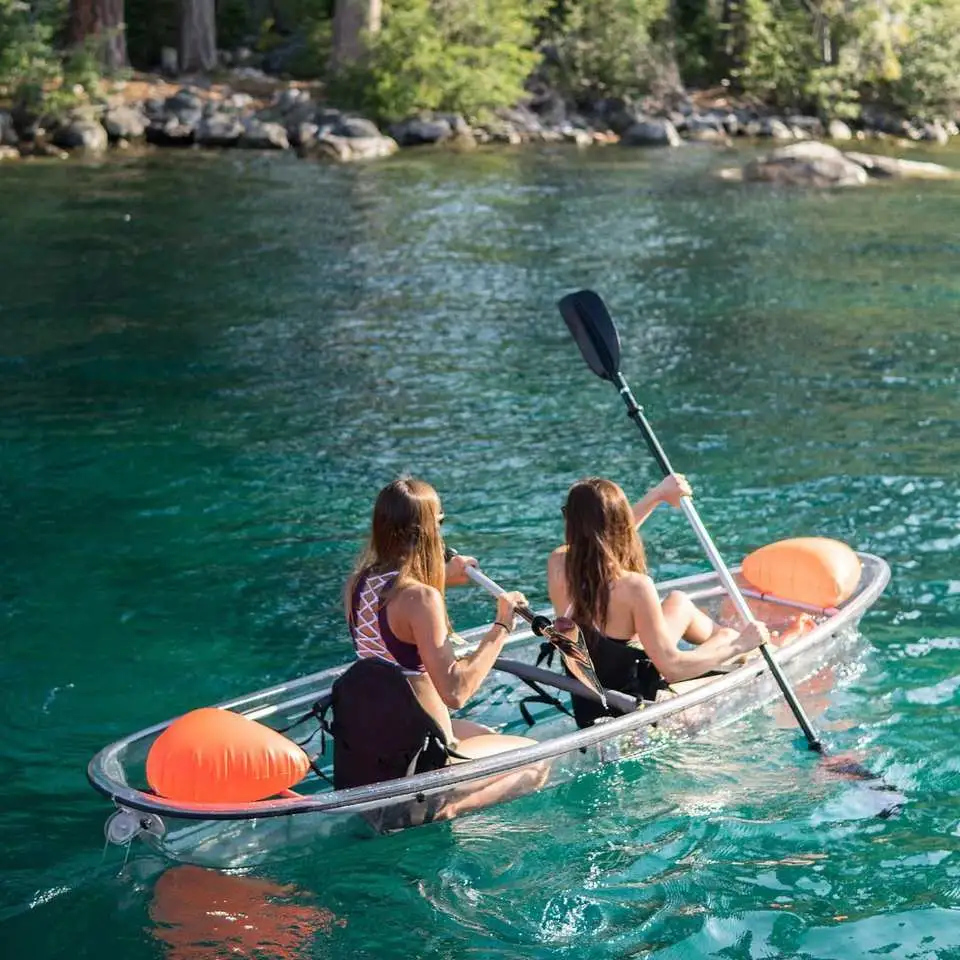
[(620, 665)]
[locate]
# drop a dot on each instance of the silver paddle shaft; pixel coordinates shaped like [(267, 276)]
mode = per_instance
[(716, 561)]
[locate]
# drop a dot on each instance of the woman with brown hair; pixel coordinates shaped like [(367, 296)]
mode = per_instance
[(397, 614), (599, 579)]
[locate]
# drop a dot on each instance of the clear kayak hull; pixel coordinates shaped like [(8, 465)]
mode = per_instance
[(232, 836)]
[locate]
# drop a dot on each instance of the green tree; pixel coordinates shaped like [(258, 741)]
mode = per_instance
[(460, 56), (607, 47)]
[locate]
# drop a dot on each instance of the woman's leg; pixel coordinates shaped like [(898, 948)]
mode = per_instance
[(462, 729), (688, 621)]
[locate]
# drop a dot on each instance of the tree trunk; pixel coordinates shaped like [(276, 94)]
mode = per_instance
[(198, 35), (101, 20), (351, 19)]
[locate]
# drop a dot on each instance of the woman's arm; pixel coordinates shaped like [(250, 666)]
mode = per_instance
[(661, 646), (557, 581), (669, 490), (457, 679), (455, 572)]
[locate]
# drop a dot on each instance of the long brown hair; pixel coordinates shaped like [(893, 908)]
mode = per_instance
[(602, 544), (405, 534)]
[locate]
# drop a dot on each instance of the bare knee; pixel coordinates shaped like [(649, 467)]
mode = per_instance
[(676, 601)]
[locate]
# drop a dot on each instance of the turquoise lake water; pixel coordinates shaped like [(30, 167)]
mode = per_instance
[(210, 364)]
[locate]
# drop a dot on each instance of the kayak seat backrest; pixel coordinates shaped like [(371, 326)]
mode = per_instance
[(619, 666), (380, 730)]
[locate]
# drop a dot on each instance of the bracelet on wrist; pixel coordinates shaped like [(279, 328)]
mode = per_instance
[(500, 623)]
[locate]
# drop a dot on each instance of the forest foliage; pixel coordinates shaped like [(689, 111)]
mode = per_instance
[(830, 57)]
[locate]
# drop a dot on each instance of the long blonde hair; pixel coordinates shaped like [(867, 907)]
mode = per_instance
[(602, 544), (405, 534)]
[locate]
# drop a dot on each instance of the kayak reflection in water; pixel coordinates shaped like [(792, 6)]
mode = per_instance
[(599, 579), (198, 914)]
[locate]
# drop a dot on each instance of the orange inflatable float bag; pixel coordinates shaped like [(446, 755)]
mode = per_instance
[(217, 756), (814, 570)]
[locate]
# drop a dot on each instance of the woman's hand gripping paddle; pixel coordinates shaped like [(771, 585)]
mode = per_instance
[(596, 334), (563, 634)]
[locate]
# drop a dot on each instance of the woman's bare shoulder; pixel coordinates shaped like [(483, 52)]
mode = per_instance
[(638, 586), (557, 561)]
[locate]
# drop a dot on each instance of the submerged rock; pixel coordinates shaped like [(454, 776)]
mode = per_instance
[(882, 167)]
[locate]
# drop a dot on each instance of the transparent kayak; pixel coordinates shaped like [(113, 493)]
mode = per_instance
[(239, 835)]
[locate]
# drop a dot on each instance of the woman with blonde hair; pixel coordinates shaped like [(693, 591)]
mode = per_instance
[(397, 616), (599, 579)]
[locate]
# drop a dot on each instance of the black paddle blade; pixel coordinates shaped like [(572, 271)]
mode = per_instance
[(591, 325), (575, 655)]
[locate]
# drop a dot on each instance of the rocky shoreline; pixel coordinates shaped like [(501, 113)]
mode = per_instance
[(250, 110)]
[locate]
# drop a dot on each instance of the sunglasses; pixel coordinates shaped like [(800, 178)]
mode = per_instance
[(563, 511), (440, 518)]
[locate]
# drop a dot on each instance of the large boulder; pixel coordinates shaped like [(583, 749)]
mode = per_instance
[(263, 136), (329, 146), (8, 153), (415, 131), (775, 128), (219, 130), (651, 132), (81, 134), (354, 128), (125, 123), (838, 130), (808, 164)]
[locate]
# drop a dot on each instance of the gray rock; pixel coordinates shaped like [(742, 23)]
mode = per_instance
[(775, 128), (237, 101), (125, 123), (651, 133), (881, 167), (811, 126), (8, 133), (420, 130), (355, 127), (582, 138), (936, 132), (348, 149), (8, 153), (185, 105), (806, 164), (263, 136), (219, 130), (171, 132), (838, 130), (521, 118), (304, 135), (81, 134), (706, 129)]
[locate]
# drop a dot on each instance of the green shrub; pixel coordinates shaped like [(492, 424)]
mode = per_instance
[(607, 47), (461, 56)]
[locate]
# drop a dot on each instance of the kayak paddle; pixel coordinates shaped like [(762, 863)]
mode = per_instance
[(574, 651), (596, 335)]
